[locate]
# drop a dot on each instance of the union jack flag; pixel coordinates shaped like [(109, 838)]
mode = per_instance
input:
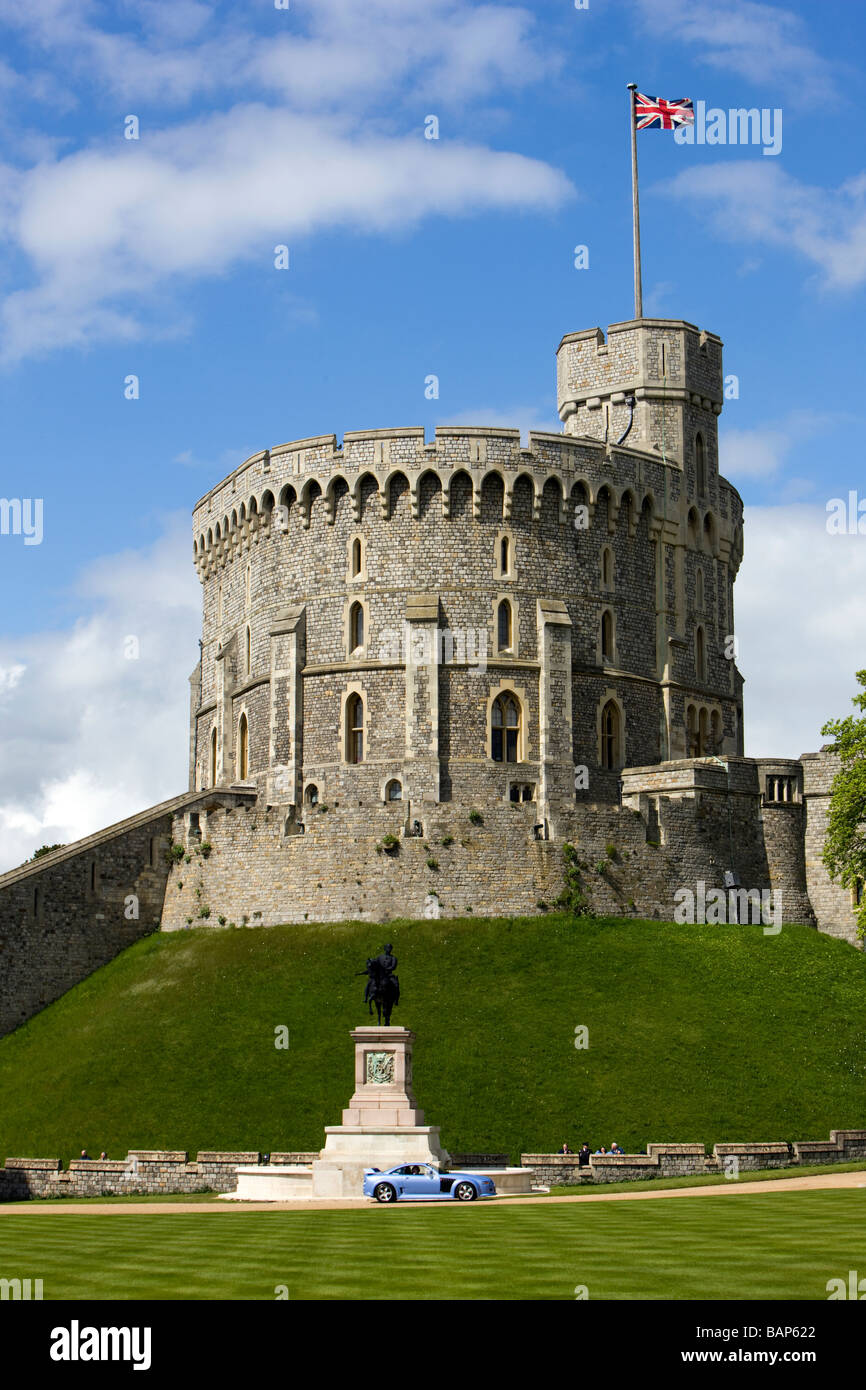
[(654, 113)]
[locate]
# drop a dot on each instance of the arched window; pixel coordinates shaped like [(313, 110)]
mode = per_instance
[(607, 568), (702, 734), (311, 794), (716, 731), (394, 790), (356, 627), (248, 655), (504, 555), (243, 749), (354, 729), (610, 736), (700, 655), (248, 591), (356, 556), (691, 733), (699, 591), (504, 626), (607, 635), (505, 729), (700, 464), (213, 757)]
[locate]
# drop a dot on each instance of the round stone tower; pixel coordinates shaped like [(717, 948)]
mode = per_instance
[(469, 620)]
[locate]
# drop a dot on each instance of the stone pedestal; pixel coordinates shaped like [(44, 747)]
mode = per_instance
[(382, 1127), (383, 1080), (382, 1124)]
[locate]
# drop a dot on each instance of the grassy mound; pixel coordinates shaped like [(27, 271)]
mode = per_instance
[(696, 1033)]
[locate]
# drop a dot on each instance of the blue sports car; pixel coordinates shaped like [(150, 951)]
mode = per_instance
[(423, 1182)]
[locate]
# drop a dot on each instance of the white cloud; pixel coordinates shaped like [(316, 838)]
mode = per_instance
[(762, 452), (801, 627), (762, 43), (197, 198), (749, 201), (107, 232), (322, 54), (89, 736)]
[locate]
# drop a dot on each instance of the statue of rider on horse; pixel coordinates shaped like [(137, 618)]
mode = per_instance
[(383, 986)]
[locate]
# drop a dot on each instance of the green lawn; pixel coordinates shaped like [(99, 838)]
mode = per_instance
[(776, 1246), (805, 1170), (696, 1033)]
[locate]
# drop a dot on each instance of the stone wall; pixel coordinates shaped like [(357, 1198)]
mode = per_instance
[(245, 862), (144, 1172), (684, 1160), (149, 1172), (680, 825), (834, 906), (72, 911), (274, 550)]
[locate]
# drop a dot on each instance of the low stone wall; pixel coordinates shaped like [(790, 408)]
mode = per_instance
[(845, 1146), (752, 1156), (144, 1172), (467, 1161), (688, 1160)]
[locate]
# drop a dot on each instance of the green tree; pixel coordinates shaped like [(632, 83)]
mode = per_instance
[(845, 843), (44, 849)]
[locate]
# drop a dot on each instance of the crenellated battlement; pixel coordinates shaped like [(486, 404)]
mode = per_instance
[(253, 501)]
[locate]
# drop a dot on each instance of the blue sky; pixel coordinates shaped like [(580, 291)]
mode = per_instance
[(408, 256)]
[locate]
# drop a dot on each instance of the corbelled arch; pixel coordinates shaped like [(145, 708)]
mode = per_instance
[(366, 486), (461, 475), (607, 492), (628, 501), (337, 488), (396, 484), (492, 494), (523, 476), (426, 486), (310, 493)]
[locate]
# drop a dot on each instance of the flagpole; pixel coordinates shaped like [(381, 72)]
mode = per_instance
[(638, 291)]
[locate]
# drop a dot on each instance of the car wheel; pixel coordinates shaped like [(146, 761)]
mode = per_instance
[(384, 1192), (465, 1192)]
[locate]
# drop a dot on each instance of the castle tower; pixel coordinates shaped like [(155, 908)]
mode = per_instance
[(655, 384), (391, 621)]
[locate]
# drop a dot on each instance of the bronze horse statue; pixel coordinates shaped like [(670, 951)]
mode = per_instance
[(383, 987)]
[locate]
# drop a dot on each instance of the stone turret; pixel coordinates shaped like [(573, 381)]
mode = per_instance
[(659, 380)]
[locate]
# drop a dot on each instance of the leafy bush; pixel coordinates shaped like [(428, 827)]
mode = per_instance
[(573, 896)]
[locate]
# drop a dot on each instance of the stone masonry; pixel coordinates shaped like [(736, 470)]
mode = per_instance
[(427, 665), (149, 1172)]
